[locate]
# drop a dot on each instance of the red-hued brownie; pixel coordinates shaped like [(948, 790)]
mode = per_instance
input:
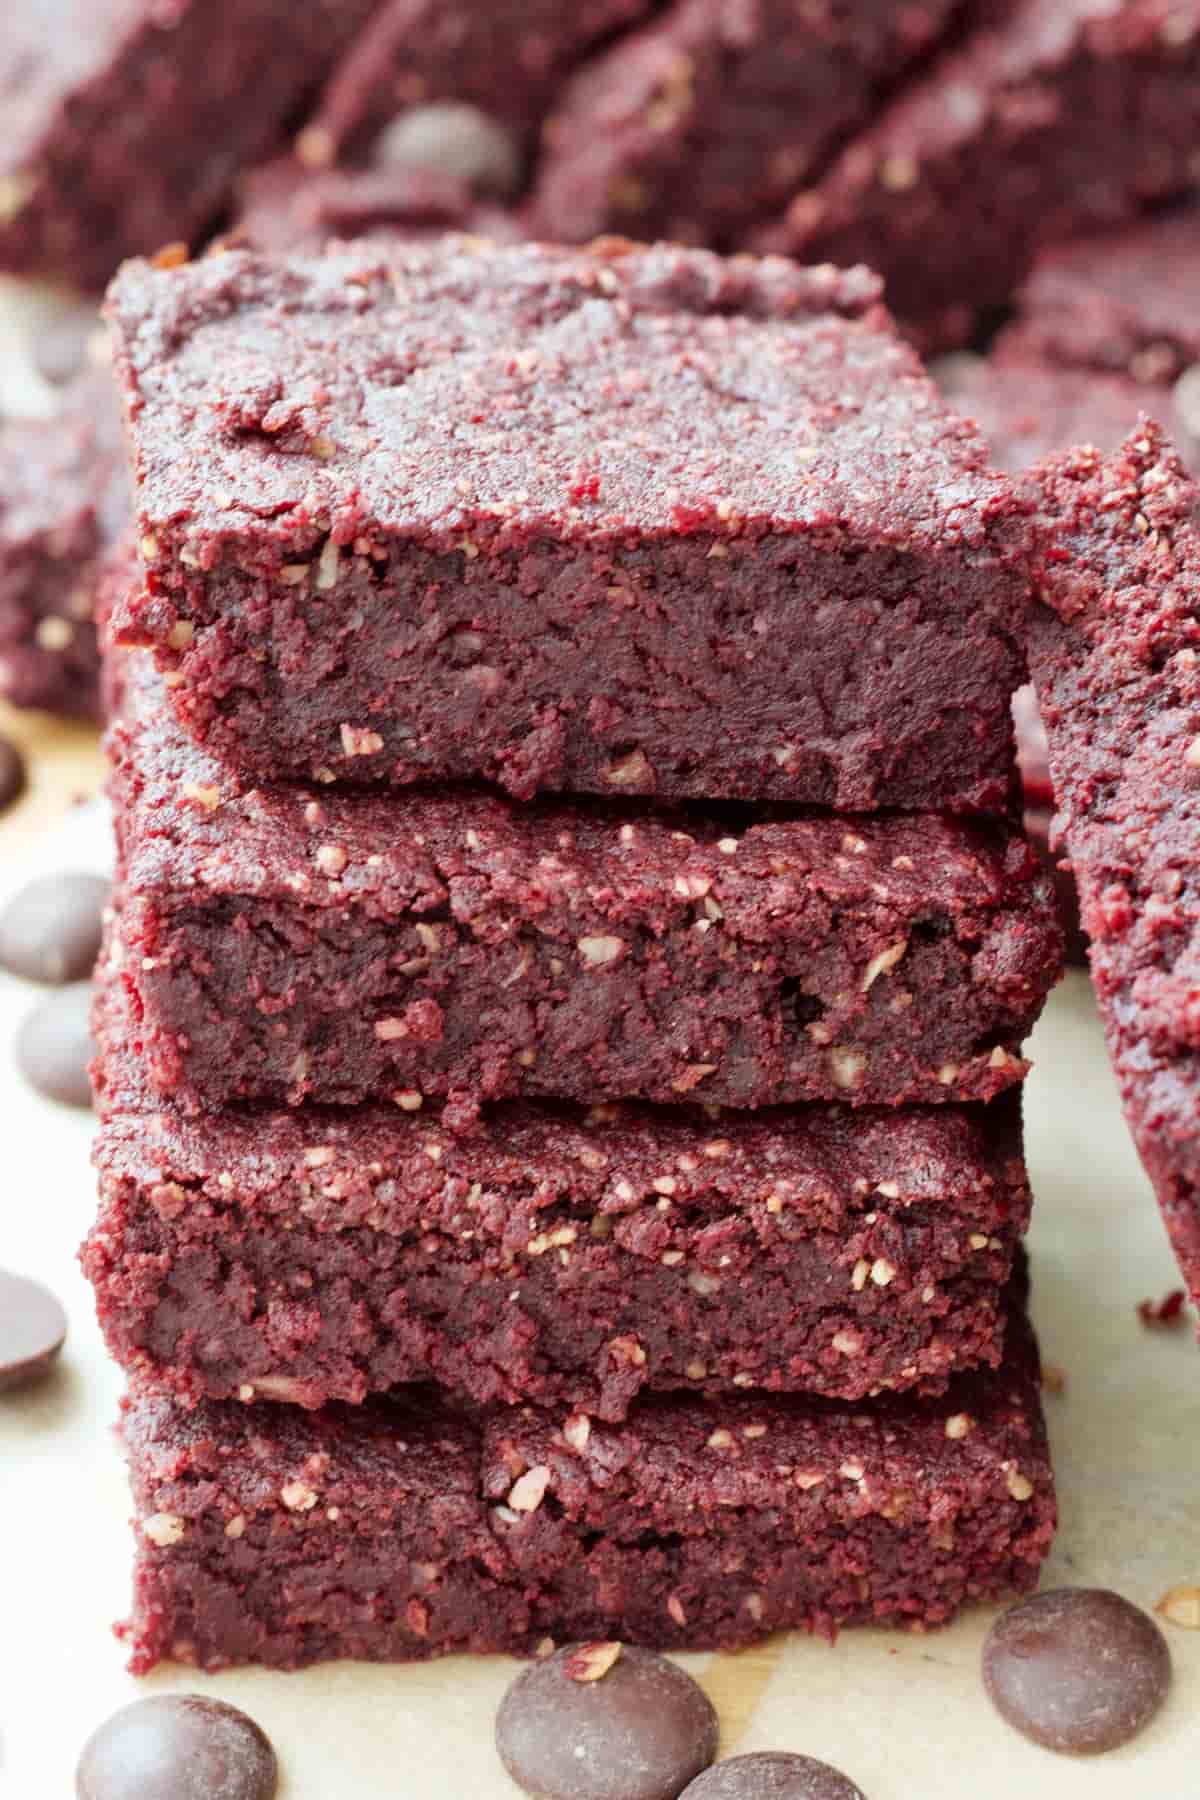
[(396, 1531), (1064, 117), (1116, 654), (300, 943), (704, 123), (506, 57), (1028, 409), (126, 120), (1124, 302), (63, 501), (284, 206), (622, 520), (549, 1255)]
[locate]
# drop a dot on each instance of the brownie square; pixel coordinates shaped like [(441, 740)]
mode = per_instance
[(704, 123), (295, 943), (285, 206), (1116, 650), (399, 1530), (507, 58), (1055, 118), (125, 120), (64, 498), (624, 520), (1124, 302), (552, 1254)]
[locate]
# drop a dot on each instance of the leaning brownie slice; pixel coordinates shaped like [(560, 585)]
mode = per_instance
[(304, 943), (1123, 302), (1116, 653), (555, 1255), (126, 120), (1057, 117), (284, 206), (63, 501), (400, 1530), (704, 123), (624, 521)]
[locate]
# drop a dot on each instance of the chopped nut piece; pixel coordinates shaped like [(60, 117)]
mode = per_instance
[(319, 1157), (600, 950), (408, 1099), (297, 1496), (882, 1272), (847, 1066), (328, 564), (591, 1662), (1181, 1605), (236, 1526), (634, 771), (207, 798), (331, 859), (958, 1425), (529, 1490), (357, 741), (577, 1430), (1019, 1486), (721, 1439), (858, 1279), (848, 1343), (164, 1529), (181, 634)]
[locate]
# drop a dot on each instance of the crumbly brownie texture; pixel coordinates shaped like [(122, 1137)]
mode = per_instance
[(196, 90), (294, 943), (63, 501), (549, 1255), (1065, 117), (1124, 302), (507, 57), (1028, 409), (704, 123), (621, 521), (1033, 760), (284, 206), (397, 1530), (1116, 650)]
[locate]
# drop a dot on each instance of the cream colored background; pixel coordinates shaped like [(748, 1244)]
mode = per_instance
[(905, 1716)]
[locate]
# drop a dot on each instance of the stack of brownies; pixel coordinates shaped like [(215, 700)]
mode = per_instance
[(529, 1217)]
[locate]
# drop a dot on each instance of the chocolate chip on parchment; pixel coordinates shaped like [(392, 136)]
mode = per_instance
[(455, 140), (32, 1328), (12, 774), (50, 931), (772, 1775), (54, 1046), (177, 1747), (1078, 1670), (640, 1730)]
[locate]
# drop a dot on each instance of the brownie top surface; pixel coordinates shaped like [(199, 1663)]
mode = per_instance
[(51, 50), (1018, 41), (188, 831), (471, 396), (1148, 276)]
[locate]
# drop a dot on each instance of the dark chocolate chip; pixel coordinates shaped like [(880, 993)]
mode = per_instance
[(1078, 1669), (772, 1775), (50, 931), (32, 1328), (12, 774), (588, 1724), (455, 140), (54, 1046), (177, 1747)]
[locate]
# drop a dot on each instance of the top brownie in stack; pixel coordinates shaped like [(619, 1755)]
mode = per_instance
[(621, 521)]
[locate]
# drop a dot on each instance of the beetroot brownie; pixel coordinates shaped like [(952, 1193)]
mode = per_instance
[(704, 123), (1116, 651), (549, 1255), (507, 58), (125, 120), (621, 521), (1124, 302), (296, 943), (284, 206), (1064, 116), (397, 1530), (1028, 409), (63, 501)]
